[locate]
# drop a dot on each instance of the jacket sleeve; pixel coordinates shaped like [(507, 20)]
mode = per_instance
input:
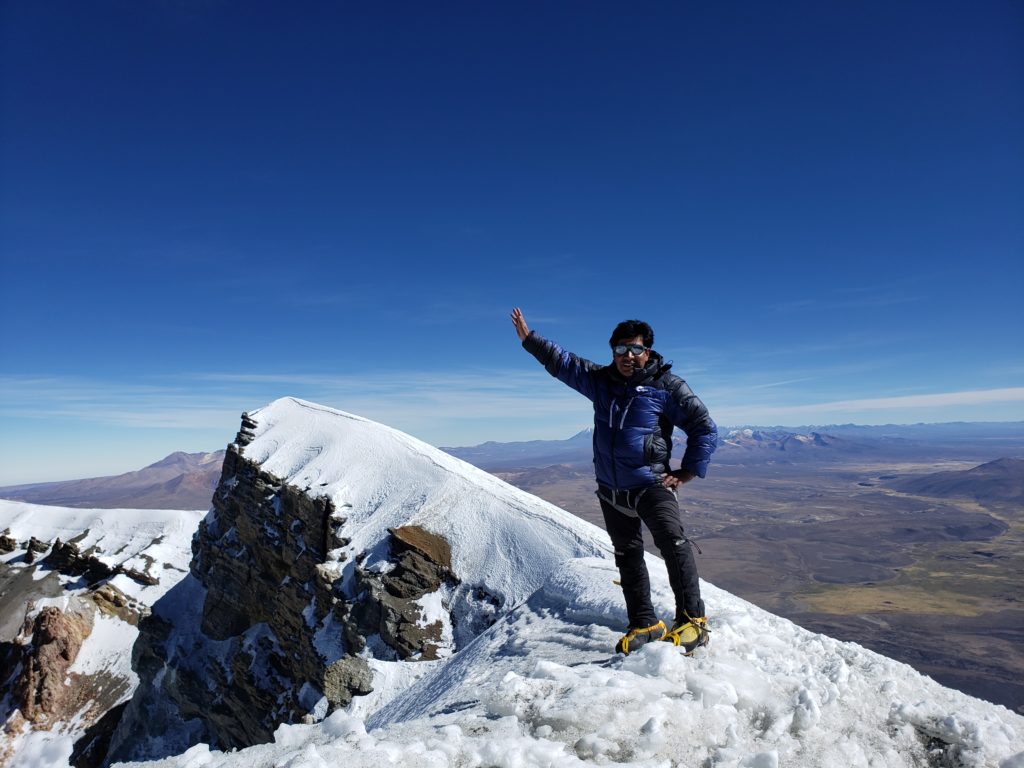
[(685, 410), (568, 368)]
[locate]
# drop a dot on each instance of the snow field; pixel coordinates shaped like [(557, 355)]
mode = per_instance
[(540, 689)]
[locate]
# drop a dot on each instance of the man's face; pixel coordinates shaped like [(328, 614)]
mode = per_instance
[(629, 362)]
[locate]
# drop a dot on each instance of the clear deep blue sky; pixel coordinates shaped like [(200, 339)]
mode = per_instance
[(207, 205)]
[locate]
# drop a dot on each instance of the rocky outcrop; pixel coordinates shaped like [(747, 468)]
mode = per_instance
[(66, 558), (43, 694), (264, 630), (250, 661), (40, 690), (113, 602), (102, 574), (390, 607), (35, 547)]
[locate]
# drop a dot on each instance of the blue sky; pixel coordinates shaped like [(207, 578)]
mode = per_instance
[(208, 205)]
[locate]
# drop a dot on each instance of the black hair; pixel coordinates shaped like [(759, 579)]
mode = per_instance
[(630, 329)]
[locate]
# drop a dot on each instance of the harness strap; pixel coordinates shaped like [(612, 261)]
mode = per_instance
[(622, 501)]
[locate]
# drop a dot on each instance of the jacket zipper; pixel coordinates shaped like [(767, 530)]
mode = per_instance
[(615, 432), (622, 421)]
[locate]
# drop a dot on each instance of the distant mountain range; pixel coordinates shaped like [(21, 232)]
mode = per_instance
[(179, 481), (740, 444), (745, 445), (187, 480), (530, 453)]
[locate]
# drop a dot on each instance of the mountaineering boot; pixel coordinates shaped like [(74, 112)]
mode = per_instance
[(637, 636), (688, 633)]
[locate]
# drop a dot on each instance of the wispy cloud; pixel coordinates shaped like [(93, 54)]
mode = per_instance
[(863, 299), (450, 409), (1005, 404), (941, 399), (786, 383)]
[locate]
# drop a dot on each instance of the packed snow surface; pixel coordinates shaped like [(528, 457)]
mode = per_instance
[(540, 688)]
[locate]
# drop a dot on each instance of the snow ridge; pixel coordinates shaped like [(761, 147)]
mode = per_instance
[(540, 686), (536, 683)]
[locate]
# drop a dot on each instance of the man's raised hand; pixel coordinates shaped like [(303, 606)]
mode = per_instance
[(522, 329)]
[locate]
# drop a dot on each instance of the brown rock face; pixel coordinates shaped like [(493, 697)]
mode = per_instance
[(40, 691), (113, 602), (413, 538), (389, 608), (250, 662)]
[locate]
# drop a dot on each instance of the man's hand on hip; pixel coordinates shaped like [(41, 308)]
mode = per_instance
[(674, 479)]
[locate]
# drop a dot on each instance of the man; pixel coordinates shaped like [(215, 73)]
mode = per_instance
[(637, 403)]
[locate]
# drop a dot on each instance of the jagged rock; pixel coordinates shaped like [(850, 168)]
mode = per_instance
[(35, 547), (258, 554), (40, 691), (389, 607), (424, 560), (261, 588), (345, 678), (113, 602), (245, 433), (7, 542), (139, 577), (66, 558), (434, 548)]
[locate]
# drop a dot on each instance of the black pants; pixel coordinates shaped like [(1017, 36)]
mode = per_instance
[(658, 509)]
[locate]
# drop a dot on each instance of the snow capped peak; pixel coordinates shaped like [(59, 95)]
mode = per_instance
[(541, 687), (538, 684), (382, 478)]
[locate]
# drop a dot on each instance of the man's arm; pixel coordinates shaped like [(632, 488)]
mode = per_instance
[(686, 411), (565, 366)]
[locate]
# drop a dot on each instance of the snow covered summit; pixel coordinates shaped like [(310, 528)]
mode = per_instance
[(359, 598)]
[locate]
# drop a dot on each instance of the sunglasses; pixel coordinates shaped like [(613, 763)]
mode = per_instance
[(637, 349)]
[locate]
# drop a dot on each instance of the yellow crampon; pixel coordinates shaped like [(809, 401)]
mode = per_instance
[(638, 636), (689, 634)]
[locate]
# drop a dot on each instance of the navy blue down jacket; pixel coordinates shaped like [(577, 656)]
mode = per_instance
[(634, 417)]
